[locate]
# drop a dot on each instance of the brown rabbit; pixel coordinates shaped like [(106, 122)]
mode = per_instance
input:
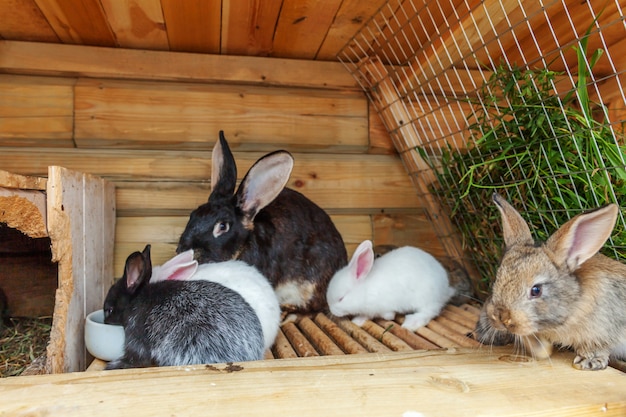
[(561, 291)]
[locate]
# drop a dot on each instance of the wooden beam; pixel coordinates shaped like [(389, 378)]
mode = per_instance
[(183, 115), (97, 62), (450, 382)]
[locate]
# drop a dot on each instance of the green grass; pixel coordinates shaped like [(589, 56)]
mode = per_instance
[(551, 155)]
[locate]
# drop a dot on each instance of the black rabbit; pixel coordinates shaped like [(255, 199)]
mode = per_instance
[(290, 239), (174, 323)]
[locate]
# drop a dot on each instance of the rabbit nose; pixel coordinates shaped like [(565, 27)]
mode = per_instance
[(504, 317)]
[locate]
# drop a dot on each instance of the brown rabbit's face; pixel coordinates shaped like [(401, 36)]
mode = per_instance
[(530, 292)]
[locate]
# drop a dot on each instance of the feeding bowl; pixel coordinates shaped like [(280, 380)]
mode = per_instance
[(103, 341)]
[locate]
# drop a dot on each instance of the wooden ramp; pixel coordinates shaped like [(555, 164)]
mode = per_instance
[(323, 366)]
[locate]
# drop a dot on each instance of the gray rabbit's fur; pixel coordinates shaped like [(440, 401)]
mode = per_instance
[(174, 323)]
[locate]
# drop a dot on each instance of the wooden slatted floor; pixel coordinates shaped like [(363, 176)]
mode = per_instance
[(320, 335)]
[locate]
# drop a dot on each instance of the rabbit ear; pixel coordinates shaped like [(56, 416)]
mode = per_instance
[(223, 169), (514, 229), (180, 267), (362, 260), (583, 236), (138, 269), (263, 182)]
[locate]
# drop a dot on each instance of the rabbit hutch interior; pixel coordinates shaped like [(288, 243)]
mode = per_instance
[(403, 117)]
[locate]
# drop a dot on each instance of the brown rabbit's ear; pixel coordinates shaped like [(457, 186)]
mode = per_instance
[(514, 228), (223, 168), (583, 236), (263, 182)]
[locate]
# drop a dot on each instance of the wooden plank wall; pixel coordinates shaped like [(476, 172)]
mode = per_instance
[(147, 120)]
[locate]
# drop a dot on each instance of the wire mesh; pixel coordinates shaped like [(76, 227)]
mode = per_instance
[(523, 97)]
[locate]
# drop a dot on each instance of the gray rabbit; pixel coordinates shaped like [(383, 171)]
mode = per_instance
[(173, 323)]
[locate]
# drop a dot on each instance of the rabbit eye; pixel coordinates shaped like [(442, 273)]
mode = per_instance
[(220, 228), (536, 291)]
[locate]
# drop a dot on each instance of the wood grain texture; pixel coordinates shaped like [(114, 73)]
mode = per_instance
[(331, 181), (12, 180), (302, 27), (22, 19), (193, 25), (248, 26), (453, 382), (350, 17), (73, 60), (179, 116), (78, 22), (36, 110), (81, 210), (137, 23)]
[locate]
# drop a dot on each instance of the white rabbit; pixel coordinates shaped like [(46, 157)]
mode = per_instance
[(405, 280), (236, 275)]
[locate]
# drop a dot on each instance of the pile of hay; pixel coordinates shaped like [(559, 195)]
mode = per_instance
[(22, 342)]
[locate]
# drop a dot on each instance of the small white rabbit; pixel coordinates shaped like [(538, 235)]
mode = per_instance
[(405, 280), (236, 275)]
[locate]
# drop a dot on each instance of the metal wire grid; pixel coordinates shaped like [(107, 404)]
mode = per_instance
[(436, 58)]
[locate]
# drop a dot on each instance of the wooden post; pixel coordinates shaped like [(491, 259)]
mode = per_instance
[(81, 224)]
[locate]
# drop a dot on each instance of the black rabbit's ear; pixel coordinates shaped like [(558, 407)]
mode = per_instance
[(138, 269), (223, 169), (263, 182)]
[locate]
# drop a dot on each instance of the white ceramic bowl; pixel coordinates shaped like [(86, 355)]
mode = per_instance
[(103, 341)]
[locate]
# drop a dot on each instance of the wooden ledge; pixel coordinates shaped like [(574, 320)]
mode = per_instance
[(446, 382)]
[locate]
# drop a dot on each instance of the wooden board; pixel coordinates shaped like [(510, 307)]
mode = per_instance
[(179, 116), (36, 111), (81, 212), (177, 182), (248, 26), (137, 23), (11, 180), (297, 34), (193, 25), (86, 61), (450, 382), (350, 17), (78, 22)]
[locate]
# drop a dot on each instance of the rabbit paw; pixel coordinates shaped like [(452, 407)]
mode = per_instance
[(414, 321), (360, 320), (389, 316), (591, 362)]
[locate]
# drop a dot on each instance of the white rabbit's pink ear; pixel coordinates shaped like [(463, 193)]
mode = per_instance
[(583, 236), (362, 260), (180, 267)]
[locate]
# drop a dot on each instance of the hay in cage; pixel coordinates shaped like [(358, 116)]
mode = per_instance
[(521, 97)]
